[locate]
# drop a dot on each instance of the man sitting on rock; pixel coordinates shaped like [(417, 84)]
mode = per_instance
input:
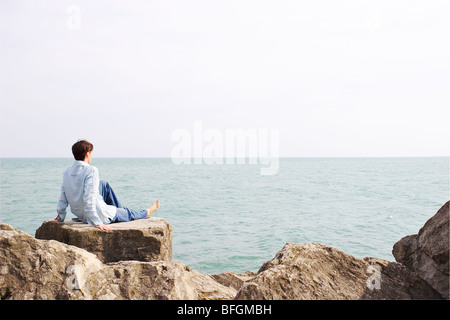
[(92, 200)]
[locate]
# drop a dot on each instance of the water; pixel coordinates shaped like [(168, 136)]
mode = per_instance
[(231, 218)]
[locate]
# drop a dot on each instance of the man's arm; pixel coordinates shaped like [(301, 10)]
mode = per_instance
[(61, 207)]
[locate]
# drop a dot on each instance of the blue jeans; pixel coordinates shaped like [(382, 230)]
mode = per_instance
[(122, 214)]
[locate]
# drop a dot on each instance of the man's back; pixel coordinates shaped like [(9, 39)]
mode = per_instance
[(73, 183), (80, 190)]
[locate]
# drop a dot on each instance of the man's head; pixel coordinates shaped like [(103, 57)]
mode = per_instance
[(82, 149)]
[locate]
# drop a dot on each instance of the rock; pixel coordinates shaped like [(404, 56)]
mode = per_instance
[(316, 271), (396, 282), (427, 252), (233, 279), (141, 240), (134, 262), (158, 280), (48, 269), (34, 269)]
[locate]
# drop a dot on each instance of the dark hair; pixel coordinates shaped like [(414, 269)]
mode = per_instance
[(80, 148)]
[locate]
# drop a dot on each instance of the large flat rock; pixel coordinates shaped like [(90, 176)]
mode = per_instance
[(142, 240)]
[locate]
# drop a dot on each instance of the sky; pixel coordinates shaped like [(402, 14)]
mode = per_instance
[(335, 78)]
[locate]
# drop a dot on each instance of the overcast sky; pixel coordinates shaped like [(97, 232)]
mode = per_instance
[(336, 78)]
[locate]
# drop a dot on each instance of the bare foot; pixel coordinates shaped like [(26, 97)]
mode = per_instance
[(152, 208)]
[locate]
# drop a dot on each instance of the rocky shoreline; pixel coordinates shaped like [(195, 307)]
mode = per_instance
[(134, 261)]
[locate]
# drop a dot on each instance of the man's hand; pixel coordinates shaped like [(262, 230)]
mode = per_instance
[(58, 218), (102, 227)]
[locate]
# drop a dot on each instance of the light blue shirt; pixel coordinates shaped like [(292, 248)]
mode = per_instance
[(80, 189)]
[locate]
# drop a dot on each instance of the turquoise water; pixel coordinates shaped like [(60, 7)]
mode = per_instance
[(231, 218)]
